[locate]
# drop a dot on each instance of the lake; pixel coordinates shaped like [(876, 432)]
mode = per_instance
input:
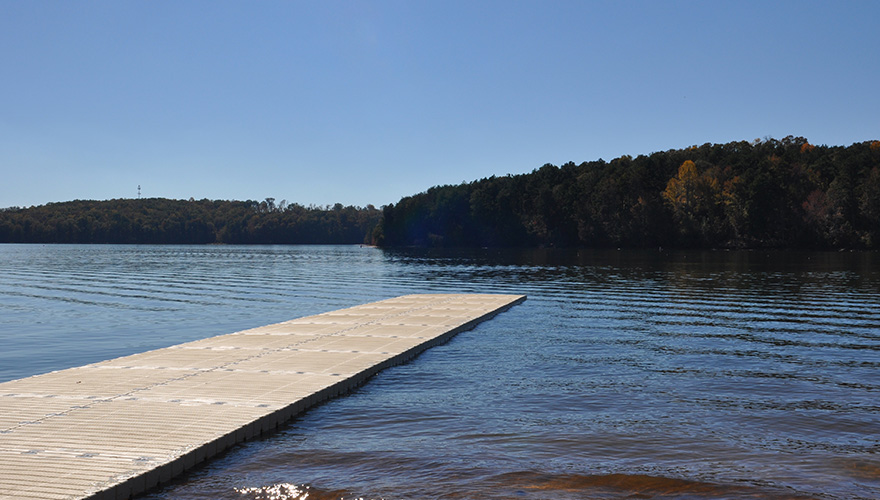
[(626, 374)]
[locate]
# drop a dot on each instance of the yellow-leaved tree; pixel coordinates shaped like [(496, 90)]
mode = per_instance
[(681, 190), (695, 199)]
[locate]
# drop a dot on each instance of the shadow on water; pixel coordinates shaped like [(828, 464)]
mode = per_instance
[(535, 486)]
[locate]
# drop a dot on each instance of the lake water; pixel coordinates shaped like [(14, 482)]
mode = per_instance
[(624, 374)]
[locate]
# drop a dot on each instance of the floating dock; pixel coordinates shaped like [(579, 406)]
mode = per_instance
[(114, 429)]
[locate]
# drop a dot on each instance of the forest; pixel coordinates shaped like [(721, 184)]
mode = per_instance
[(765, 193), (159, 220)]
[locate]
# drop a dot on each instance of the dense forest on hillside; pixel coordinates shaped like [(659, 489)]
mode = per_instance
[(159, 220), (764, 193), (783, 193)]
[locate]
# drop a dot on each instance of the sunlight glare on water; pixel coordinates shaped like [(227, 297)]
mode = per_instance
[(281, 491)]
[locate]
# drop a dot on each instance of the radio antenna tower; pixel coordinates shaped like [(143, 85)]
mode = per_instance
[(139, 191)]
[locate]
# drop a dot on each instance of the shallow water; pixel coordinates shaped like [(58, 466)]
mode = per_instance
[(624, 375)]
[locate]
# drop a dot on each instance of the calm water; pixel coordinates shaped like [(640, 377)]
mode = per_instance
[(624, 375)]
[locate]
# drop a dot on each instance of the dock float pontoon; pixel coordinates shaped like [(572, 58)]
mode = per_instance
[(115, 429)]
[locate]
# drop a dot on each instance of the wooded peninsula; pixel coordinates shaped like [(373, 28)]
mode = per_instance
[(768, 193), (164, 221)]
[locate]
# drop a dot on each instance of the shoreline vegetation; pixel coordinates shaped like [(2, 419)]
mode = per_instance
[(164, 221), (767, 193)]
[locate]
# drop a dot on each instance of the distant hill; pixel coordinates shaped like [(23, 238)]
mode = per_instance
[(772, 193), (159, 220)]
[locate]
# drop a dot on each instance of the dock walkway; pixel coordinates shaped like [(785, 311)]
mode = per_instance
[(114, 429)]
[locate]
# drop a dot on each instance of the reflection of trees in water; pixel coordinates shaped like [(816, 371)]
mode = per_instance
[(781, 271)]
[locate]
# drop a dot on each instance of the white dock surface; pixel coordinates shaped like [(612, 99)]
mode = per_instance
[(117, 428)]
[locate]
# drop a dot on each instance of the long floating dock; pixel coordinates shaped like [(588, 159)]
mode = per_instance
[(114, 429)]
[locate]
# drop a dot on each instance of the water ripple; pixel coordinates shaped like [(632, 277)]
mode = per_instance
[(625, 374)]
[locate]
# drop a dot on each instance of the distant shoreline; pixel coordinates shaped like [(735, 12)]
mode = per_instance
[(782, 194)]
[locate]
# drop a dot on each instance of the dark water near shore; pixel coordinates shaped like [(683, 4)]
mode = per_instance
[(624, 375)]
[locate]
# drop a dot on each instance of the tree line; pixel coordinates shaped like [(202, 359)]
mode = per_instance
[(783, 193), (160, 220)]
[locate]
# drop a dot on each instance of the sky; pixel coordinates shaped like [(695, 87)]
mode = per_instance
[(365, 102)]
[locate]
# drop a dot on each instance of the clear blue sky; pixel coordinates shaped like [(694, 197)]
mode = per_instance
[(363, 102)]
